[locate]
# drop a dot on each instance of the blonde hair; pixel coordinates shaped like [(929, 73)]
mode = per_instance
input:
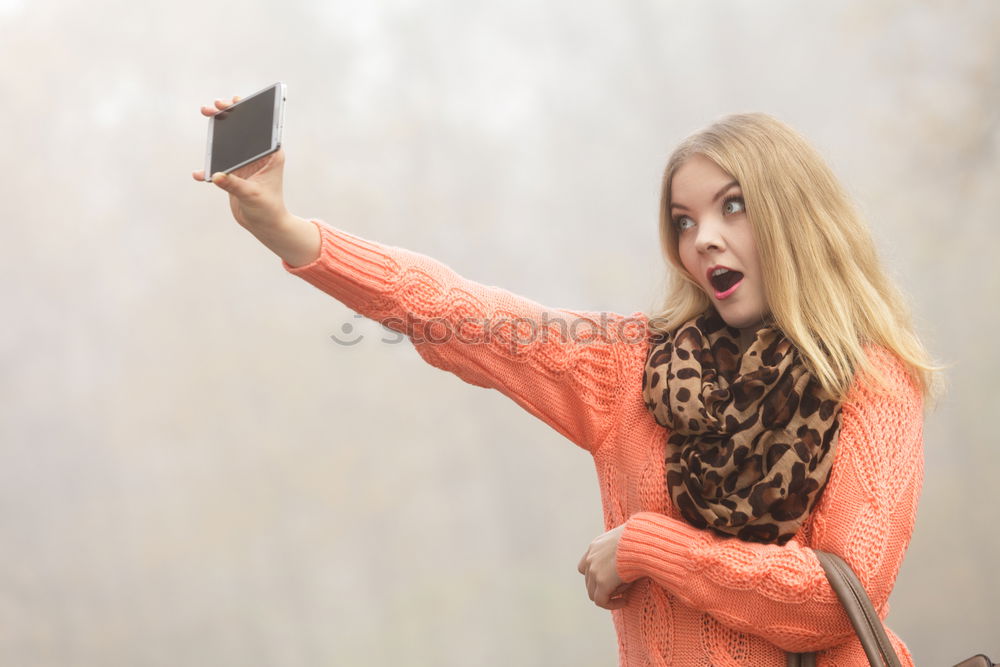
[(824, 283)]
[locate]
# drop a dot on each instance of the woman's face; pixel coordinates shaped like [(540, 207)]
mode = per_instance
[(707, 210)]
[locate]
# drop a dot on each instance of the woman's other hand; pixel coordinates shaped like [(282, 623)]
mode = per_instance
[(604, 586), (255, 190)]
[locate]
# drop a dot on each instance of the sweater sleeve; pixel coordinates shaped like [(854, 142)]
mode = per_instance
[(780, 593), (562, 366)]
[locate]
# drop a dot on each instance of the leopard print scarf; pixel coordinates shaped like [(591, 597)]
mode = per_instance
[(752, 436)]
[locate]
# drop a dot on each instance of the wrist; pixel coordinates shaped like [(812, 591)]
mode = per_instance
[(301, 241), (295, 240), (288, 220)]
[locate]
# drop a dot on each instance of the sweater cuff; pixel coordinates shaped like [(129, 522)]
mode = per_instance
[(658, 546), (349, 267)]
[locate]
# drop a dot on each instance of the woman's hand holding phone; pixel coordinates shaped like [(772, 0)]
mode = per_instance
[(257, 201), (255, 190)]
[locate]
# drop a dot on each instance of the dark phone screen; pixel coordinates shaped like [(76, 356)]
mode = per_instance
[(243, 132)]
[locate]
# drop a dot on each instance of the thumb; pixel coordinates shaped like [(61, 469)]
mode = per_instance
[(231, 183)]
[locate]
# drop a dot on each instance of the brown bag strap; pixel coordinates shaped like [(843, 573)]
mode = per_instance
[(860, 611), (865, 620)]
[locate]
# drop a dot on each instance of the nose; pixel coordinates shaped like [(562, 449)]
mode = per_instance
[(708, 236)]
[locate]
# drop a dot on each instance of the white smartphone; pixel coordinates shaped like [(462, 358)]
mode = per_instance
[(246, 131)]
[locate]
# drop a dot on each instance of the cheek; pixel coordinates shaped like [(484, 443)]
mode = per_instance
[(750, 245), (689, 264), (687, 257)]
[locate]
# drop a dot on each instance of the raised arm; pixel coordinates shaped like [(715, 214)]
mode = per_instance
[(865, 515), (563, 366)]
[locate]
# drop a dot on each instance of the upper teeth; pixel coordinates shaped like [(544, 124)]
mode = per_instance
[(719, 272)]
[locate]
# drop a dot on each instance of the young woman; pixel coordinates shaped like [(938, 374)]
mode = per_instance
[(773, 406)]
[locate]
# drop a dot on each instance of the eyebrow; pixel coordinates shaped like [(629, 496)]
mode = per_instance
[(725, 188)]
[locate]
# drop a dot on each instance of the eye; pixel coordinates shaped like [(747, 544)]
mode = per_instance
[(725, 202), (677, 223), (734, 198)]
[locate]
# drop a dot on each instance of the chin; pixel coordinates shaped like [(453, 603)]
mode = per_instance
[(742, 322)]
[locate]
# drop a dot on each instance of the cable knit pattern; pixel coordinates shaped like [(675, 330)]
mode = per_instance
[(696, 598)]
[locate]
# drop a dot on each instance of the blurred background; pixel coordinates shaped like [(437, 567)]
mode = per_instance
[(192, 472)]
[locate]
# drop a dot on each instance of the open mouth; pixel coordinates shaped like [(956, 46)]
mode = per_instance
[(725, 280)]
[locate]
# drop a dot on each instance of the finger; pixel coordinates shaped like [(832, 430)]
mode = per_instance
[(219, 106), (579, 567), (617, 599), (210, 110), (198, 175), (621, 590), (617, 603), (222, 104), (231, 183), (603, 599)]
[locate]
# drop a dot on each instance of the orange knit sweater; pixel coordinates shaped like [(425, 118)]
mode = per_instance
[(697, 598)]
